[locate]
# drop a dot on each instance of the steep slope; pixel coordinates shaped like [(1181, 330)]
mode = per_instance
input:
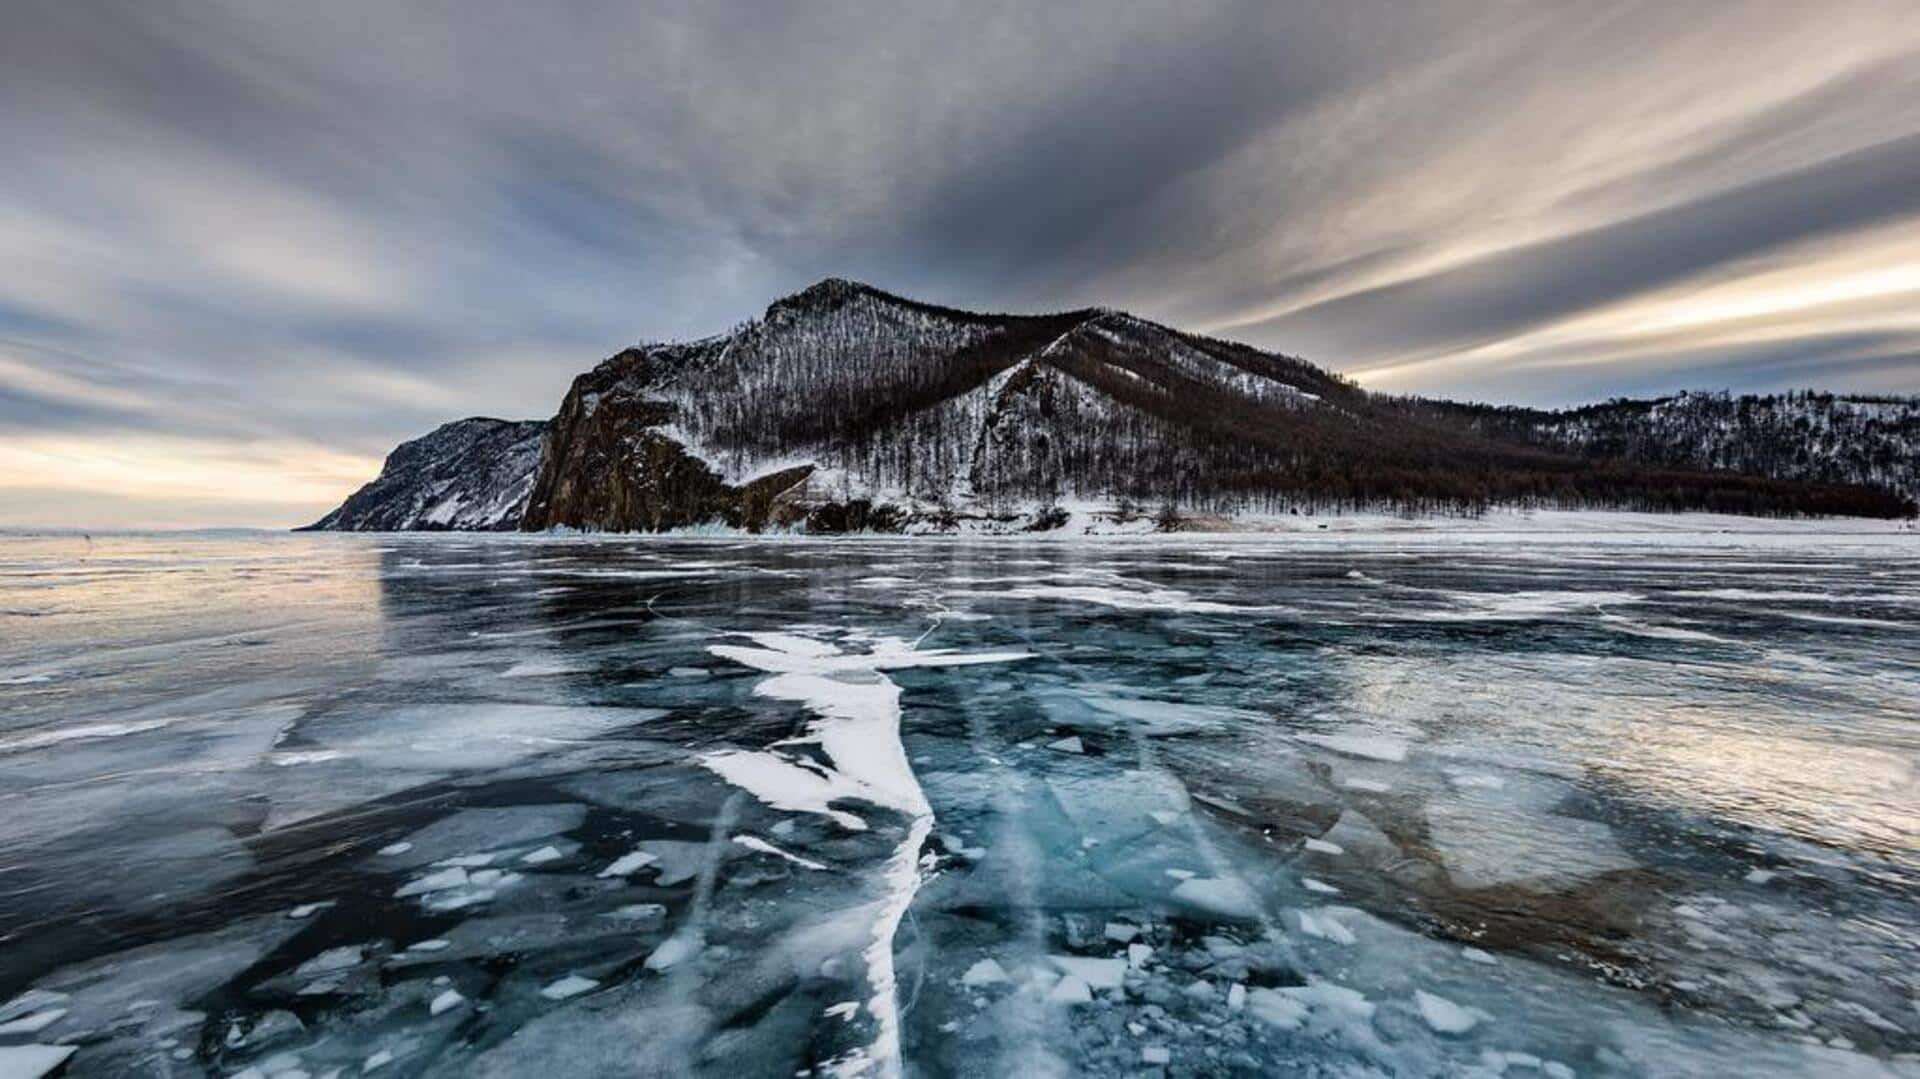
[(469, 475)]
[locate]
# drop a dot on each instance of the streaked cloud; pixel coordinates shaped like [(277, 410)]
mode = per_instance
[(273, 240)]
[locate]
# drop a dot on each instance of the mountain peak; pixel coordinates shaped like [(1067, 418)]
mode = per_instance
[(826, 293)]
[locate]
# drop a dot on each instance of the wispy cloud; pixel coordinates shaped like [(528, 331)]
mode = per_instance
[(276, 239)]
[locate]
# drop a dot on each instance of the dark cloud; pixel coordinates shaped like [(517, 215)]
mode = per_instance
[(321, 228)]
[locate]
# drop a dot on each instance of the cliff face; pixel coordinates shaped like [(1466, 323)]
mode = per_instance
[(844, 407), (610, 461), (470, 475)]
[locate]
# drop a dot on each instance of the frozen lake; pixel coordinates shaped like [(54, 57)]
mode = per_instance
[(1387, 805)]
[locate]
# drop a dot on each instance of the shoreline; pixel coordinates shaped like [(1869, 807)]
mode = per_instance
[(1089, 524)]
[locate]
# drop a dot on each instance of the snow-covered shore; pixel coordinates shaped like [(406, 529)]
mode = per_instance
[(1565, 522)]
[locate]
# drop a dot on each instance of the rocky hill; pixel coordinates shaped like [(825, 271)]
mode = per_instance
[(470, 475), (845, 407)]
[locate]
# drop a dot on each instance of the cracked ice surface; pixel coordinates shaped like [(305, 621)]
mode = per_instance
[(1192, 806), (857, 730)]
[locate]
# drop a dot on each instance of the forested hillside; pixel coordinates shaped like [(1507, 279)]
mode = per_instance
[(846, 407), (1804, 436)]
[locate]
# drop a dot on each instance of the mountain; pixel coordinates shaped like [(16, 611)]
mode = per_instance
[(1819, 437), (845, 407), (471, 475)]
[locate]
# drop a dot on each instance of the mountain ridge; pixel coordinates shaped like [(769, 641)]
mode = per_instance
[(847, 406)]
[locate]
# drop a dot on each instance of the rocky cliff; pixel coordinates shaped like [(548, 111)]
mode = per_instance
[(469, 475)]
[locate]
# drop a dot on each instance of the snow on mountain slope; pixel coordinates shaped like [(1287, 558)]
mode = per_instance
[(1799, 436), (469, 475), (851, 394), (845, 407)]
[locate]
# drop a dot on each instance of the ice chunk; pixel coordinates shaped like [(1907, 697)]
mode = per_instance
[(676, 860), (756, 843), (984, 972), (1137, 955), (1070, 990), (639, 912), (1111, 807), (446, 1001), (1443, 1015), (1163, 719), (1476, 955), (1322, 924), (674, 951), (378, 1060), (1332, 997), (570, 986), (1236, 996), (35, 1023), (395, 849), (32, 1061), (489, 883), (1121, 932), (434, 945), (330, 961), (1319, 886), (628, 864), (1156, 1054), (433, 882), (1477, 782), (308, 910), (30, 1001), (1373, 747), (792, 643), (1321, 846), (542, 856), (1096, 973), (82, 732), (1486, 845), (1277, 1008), (1219, 895), (477, 837), (1069, 744)]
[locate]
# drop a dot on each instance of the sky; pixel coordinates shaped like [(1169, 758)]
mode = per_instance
[(246, 248)]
